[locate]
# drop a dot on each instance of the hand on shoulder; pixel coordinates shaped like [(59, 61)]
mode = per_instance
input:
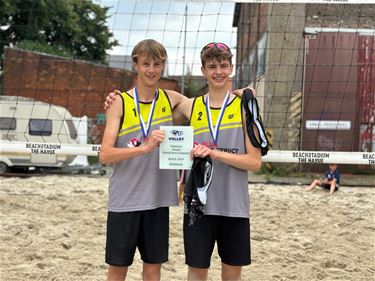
[(110, 98), (239, 92)]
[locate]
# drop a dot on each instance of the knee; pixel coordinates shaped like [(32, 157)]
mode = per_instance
[(197, 273), (151, 272), (116, 273), (229, 272)]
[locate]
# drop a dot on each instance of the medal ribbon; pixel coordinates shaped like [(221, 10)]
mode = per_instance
[(215, 130), (145, 129)]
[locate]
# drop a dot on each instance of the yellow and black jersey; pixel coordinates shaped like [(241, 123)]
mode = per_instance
[(134, 184), (130, 121), (228, 194)]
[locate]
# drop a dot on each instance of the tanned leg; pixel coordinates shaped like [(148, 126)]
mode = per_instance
[(197, 274), (116, 273), (230, 272), (313, 185), (151, 272)]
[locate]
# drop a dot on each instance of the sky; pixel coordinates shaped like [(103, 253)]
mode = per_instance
[(164, 21)]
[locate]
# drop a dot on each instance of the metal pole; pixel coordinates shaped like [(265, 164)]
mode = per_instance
[(183, 58)]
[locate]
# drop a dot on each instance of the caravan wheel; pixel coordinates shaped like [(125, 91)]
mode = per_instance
[(3, 168)]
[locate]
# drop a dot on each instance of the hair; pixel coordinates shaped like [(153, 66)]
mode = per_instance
[(150, 48), (215, 53), (332, 166)]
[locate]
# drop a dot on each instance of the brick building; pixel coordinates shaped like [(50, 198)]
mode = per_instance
[(79, 86), (310, 62)]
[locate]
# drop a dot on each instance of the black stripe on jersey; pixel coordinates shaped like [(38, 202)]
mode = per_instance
[(123, 113), (243, 126), (192, 108), (170, 105), (229, 103), (144, 102)]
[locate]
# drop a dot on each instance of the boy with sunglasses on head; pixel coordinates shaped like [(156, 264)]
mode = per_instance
[(139, 193), (219, 132)]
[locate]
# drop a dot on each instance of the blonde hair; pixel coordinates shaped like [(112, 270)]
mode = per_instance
[(151, 49)]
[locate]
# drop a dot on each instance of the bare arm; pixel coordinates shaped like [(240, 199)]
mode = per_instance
[(181, 114), (181, 106), (175, 98), (110, 154)]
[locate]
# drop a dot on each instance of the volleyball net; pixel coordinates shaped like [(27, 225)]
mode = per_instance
[(312, 65)]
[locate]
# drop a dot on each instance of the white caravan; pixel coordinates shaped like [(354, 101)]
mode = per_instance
[(41, 126)]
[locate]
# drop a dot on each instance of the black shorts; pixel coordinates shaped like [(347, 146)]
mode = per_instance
[(328, 186), (232, 236), (148, 230)]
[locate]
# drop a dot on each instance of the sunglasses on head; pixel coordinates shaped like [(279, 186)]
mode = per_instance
[(220, 46)]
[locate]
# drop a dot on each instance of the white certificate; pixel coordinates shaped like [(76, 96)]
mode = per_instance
[(174, 151)]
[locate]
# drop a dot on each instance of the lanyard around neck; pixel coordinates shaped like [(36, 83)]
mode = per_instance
[(145, 128), (215, 130)]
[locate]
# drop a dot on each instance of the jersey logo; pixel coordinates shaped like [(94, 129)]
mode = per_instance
[(163, 109), (230, 116)]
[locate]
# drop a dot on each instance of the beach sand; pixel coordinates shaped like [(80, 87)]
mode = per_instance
[(53, 228)]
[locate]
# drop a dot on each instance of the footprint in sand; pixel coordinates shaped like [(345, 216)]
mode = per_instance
[(333, 264)]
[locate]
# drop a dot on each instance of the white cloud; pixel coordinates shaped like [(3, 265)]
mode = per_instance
[(133, 21)]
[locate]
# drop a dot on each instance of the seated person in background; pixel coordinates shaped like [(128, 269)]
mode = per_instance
[(331, 180)]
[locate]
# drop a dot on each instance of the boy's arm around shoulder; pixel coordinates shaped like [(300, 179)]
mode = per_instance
[(110, 154), (175, 98), (181, 107)]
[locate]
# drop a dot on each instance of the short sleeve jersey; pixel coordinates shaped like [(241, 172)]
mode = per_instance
[(333, 175)]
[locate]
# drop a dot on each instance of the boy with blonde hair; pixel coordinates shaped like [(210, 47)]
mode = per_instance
[(138, 213)]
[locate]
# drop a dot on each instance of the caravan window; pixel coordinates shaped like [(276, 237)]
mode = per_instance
[(40, 127), (7, 123)]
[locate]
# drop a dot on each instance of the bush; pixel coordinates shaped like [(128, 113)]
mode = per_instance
[(43, 47)]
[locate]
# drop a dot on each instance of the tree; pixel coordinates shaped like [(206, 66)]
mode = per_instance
[(192, 86), (74, 26)]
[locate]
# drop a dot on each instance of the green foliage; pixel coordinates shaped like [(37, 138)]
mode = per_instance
[(280, 170), (93, 160), (272, 171), (192, 87), (78, 27), (44, 48)]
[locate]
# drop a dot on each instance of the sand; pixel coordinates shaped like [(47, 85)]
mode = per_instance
[(53, 228)]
